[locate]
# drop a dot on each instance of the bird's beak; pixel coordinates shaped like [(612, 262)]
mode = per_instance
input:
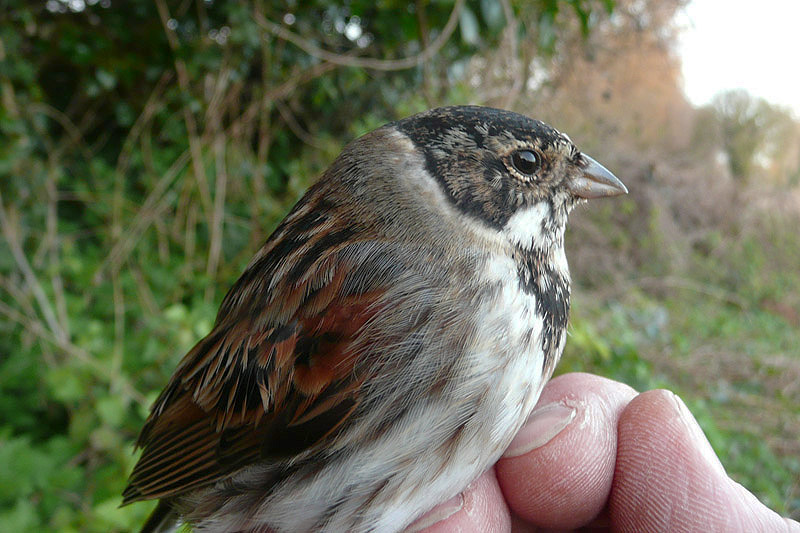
[(596, 181)]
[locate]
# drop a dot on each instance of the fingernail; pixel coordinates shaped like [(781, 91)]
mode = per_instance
[(696, 433), (437, 514), (542, 425)]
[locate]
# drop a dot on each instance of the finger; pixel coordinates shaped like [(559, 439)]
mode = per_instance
[(668, 477), (558, 471), (480, 507)]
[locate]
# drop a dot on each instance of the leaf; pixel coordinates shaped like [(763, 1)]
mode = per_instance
[(547, 31), (66, 384), (492, 13), (107, 80), (470, 30), (21, 517), (111, 410)]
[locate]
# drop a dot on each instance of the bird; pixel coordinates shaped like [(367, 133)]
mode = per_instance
[(383, 347)]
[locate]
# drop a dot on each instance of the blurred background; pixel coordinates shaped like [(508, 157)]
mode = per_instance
[(148, 148)]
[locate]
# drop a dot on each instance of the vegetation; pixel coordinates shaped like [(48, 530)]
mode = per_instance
[(148, 148)]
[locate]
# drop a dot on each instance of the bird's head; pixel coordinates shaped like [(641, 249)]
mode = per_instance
[(507, 171)]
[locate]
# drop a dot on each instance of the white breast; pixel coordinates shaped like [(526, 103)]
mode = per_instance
[(508, 351)]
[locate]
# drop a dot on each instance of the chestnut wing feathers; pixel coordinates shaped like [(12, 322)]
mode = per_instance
[(265, 385)]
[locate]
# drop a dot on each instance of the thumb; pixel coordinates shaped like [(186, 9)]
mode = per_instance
[(668, 477)]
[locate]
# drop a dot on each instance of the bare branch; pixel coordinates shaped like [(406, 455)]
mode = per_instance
[(216, 222), (150, 107), (511, 32), (12, 238), (9, 99), (297, 129), (36, 328), (153, 205), (365, 62), (74, 133), (191, 126), (676, 282), (118, 348), (53, 247)]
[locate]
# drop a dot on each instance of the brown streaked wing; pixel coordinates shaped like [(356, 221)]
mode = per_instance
[(253, 390)]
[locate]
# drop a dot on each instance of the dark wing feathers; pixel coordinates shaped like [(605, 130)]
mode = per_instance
[(264, 384)]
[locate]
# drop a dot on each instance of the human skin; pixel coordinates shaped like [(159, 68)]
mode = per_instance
[(597, 455)]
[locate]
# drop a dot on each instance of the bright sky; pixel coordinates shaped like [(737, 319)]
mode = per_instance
[(729, 44)]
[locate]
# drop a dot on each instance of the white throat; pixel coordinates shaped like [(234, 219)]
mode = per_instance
[(535, 227)]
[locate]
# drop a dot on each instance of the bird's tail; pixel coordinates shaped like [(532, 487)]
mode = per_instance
[(162, 520)]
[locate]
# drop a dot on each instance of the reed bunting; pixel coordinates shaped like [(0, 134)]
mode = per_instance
[(383, 347)]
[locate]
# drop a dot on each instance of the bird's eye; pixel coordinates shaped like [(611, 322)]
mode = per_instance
[(525, 161)]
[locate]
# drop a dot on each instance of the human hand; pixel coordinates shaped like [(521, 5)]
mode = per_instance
[(596, 454)]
